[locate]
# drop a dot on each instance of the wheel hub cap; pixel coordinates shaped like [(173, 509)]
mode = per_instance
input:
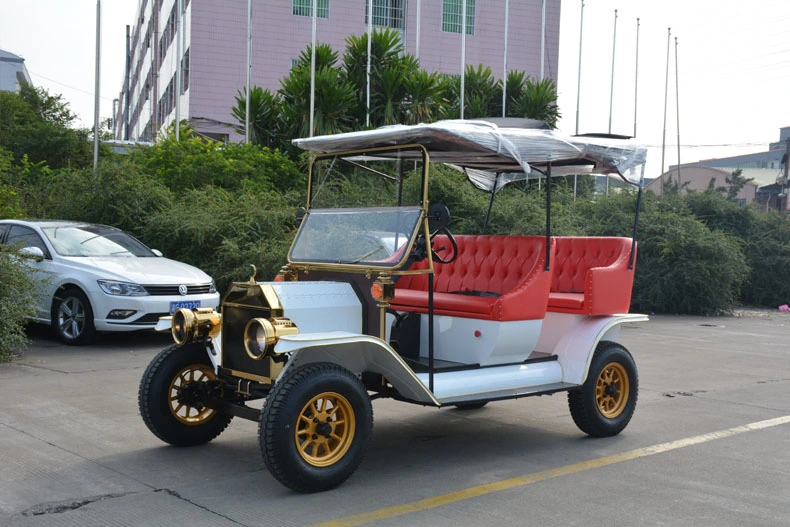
[(325, 429)]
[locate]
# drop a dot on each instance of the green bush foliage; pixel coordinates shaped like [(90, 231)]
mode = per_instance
[(16, 303)]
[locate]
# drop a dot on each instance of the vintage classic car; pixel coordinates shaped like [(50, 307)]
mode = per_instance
[(378, 299)]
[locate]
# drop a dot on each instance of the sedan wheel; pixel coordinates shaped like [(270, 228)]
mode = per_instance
[(72, 317)]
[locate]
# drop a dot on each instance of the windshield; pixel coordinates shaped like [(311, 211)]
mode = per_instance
[(367, 237), (94, 240)]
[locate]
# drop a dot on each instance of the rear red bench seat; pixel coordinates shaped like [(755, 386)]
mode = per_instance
[(591, 276), (493, 278)]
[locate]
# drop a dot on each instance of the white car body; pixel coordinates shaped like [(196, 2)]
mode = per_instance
[(161, 278)]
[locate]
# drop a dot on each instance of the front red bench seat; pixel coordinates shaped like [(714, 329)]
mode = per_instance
[(494, 278), (591, 275)]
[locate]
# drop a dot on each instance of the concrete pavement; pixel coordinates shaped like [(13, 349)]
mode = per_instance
[(709, 445)]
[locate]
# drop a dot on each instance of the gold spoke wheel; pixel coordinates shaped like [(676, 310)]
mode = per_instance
[(185, 414), (612, 390), (325, 429)]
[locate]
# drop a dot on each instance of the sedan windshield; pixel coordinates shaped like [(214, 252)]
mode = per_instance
[(94, 240)]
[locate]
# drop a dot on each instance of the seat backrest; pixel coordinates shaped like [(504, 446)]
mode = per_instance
[(495, 264), (577, 254)]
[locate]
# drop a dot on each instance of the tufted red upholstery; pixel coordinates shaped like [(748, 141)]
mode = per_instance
[(591, 276), (510, 266)]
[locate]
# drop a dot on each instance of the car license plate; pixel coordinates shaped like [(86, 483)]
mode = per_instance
[(191, 304)]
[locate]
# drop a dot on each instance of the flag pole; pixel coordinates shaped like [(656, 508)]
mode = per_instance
[(579, 76), (636, 74), (677, 105), (367, 74), (312, 69), (611, 89), (666, 93), (249, 71), (504, 67), (463, 53), (98, 83)]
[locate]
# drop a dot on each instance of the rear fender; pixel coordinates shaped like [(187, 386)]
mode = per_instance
[(358, 354), (573, 338)]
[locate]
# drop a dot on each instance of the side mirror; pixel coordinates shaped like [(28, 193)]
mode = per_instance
[(438, 217), (157, 252), (34, 253)]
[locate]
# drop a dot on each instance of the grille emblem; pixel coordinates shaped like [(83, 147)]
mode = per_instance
[(182, 290)]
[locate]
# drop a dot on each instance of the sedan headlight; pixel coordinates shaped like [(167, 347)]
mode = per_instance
[(122, 288), (212, 288)]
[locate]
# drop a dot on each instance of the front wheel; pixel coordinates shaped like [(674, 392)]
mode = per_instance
[(604, 404), (173, 394), (72, 317), (315, 426)]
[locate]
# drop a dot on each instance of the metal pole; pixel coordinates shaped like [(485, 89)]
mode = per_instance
[(666, 92), (96, 98), (125, 135), (504, 67), (636, 74), (249, 74), (579, 76), (419, 13), (677, 105), (179, 51), (463, 53), (367, 74), (542, 38), (611, 89), (312, 69)]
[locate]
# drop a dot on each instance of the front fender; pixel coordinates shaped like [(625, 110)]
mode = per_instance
[(358, 354)]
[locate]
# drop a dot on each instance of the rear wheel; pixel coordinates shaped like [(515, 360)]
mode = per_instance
[(606, 401), (315, 426), (72, 317), (173, 394)]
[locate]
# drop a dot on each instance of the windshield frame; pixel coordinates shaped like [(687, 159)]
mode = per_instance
[(420, 227)]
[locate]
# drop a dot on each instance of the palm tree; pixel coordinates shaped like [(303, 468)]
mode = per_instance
[(266, 110), (538, 100), (334, 96), (426, 99)]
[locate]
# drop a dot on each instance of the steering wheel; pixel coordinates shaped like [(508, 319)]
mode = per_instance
[(438, 218), (453, 244)]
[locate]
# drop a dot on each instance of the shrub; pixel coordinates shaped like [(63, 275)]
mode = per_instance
[(16, 302), (683, 267)]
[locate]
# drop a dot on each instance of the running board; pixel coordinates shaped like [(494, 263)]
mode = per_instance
[(499, 382)]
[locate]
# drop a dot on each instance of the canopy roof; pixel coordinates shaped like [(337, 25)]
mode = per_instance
[(485, 146)]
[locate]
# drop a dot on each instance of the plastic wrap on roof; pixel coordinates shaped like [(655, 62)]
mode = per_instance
[(485, 146)]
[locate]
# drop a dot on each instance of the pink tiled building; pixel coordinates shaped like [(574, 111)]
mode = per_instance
[(214, 49)]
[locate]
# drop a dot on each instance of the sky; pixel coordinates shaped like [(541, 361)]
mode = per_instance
[(733, 67)]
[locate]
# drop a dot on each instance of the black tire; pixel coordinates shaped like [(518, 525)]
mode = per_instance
[(471, 406), (170, 421), (312, 455), (72, 317), (606, 401)]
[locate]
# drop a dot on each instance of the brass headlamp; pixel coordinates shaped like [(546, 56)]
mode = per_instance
[(190, 324)]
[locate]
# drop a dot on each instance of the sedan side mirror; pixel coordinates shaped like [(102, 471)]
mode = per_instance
[(157, 252), (34, 253)]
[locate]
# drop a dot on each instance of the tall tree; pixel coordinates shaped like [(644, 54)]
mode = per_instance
[(38, 125), (334, 96), (266, 121)]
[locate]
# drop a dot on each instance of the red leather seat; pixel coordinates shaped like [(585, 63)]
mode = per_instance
[(591, 275), (493, 277)]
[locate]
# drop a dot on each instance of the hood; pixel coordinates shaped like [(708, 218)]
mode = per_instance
[(144, 271)]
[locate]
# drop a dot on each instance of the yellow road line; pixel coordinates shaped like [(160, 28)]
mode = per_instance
[(520, 481)]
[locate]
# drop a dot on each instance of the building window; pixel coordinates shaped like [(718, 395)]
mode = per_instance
[(305, 8), (388, 13), (453, 14)]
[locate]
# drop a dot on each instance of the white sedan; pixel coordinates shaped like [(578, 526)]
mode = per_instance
[(98, 278)]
